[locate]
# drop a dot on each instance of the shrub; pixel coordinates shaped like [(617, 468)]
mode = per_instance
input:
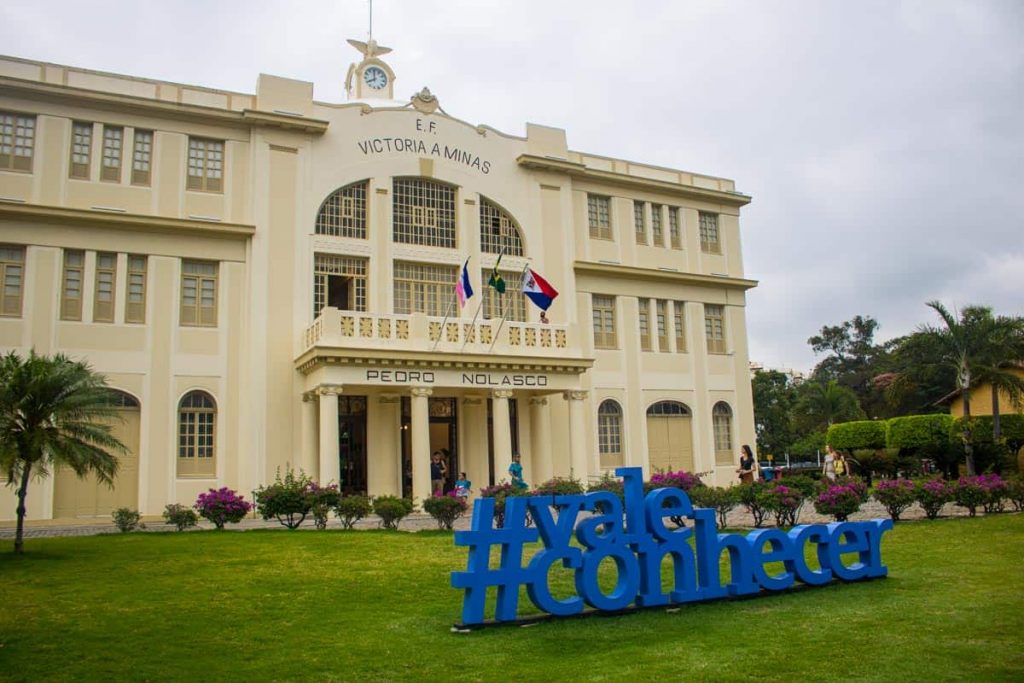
[(499, 492), (721, 499), (783, 501), (680, 480), (932, 494), (994, 487), (126, 519), (221, 506), (351, 509), (445, 508), (860, 434), (809, 445), (608, 483), (919, 431), (392, 510), (896, 495), (807, 485), (181, 516), (969, 493), (322, 499), (1010, 426), (840, 500), (285, 499), (559, 486), (746, 494), (1015, 491)]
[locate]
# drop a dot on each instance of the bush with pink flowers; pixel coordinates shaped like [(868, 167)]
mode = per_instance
[(896, 495), (221, 506), (932, 494)]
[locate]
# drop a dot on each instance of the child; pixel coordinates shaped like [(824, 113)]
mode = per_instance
[(462, 486)]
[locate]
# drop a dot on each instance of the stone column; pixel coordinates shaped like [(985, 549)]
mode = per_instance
[(540, 441), (309, 461), (330, 463), (421, 443), (577, 435), (502, 434)]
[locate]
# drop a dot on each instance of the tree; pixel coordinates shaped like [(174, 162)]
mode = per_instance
[(853, 359), (916, 381), (974, 346), (820, 405), (774, 395), (54, 412)]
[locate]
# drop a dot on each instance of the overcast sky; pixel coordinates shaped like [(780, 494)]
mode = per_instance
[(882, 141)]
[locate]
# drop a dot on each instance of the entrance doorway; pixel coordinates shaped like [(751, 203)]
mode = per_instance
[(352, 443), (444, 437), (87, 497), (669, 437)]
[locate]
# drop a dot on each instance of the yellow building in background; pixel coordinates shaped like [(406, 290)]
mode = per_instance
[(268, 281), (981, 400)]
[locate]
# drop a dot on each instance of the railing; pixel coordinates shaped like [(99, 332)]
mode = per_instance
[(418, 332)]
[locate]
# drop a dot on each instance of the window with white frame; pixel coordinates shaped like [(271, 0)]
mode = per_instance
[(423, 288), (609, 429), (657, 234), (424, 213), (142, 157), (343, 214), (12, 277), (679, 320), (511, 304), (599, 216), (714, 327), (709, 238), (675, 235), (644, 315), (17, 141), (205, 165), (339, 281), (105, 281), (640, 222), (81, 149), (604, 321), (199, 293), (721, 418), (498, 231), (71, 289), (113, 147), (197, 435), (135, 291)]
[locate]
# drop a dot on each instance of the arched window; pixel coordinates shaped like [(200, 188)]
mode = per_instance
[(197, 430), (721, 419), (609, 429), (424, 213), (668, 409), (122, 399), (498, 231), (343, 214)]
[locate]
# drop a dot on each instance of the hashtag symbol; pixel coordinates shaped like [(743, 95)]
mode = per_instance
[(509, 575)]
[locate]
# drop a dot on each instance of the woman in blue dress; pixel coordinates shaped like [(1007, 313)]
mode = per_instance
[(515, 470)]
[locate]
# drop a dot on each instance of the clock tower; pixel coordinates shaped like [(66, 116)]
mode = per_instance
[(370, 78)]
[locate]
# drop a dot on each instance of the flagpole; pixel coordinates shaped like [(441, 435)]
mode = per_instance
[(505, 315), (473, 324), (446, 313)]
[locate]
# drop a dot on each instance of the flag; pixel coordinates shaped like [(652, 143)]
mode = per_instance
[(496, 280), (463, 289), (538, 290)]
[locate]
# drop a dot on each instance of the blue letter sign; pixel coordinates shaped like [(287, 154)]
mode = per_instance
[(633, 535)]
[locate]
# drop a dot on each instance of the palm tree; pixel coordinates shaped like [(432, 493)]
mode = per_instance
[(976, 346), (821, 405), (54, 412)]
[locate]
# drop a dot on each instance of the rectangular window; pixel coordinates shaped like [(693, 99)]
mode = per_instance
[(709, 242), (103, 297), (661, 313), (680, 325), (604, 321), (645, 324), (639, 223), (714, 327), (71, 290), (199, 293), (113, 138), (81, 149), (423, 288), (424, 213), (338, 281), (599, 216), (135, 293), (512, 301), (675, 235), (12, 275), (142, 157), (17, 141), (205, 165), (657, 233)]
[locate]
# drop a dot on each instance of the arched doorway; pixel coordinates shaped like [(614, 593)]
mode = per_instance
[(669, 437), (86, 497)]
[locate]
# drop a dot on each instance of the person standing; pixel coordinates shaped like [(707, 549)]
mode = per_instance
[(462, 486), (829, 468), (747, 470), (438, 472)]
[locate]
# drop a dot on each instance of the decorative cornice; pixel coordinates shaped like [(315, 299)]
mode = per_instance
[(247, 118), (123, 221), (574, 395), (577, 170), (634, 273), (320, 356)]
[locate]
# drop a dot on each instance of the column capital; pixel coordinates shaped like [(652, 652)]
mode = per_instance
[(309, 396), (574, 395), (502, 393), (329, 389), (421, 391), (538, 401)]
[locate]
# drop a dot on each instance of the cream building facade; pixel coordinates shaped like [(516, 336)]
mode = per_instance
[(265, 280)]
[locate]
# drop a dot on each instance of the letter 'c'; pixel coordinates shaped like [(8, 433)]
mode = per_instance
[(625, 588), (538, 589)]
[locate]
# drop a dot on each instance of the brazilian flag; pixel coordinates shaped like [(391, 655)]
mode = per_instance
[(496, 280)]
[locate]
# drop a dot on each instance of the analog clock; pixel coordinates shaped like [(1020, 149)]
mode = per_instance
[(375, 77)]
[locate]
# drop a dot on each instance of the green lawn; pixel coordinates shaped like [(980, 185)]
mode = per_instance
[(277, 605)]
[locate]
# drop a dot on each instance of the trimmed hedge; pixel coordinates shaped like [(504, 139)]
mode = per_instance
[(1011, 426), (918, 431), (859, 434)]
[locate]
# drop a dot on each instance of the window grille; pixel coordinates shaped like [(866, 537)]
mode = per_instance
[(205, 165), (668, 409), (12, 272), (709, 239), (498, 231), (142, 157), (344, 212), (17, 141), (599, 216), (424, 213), (423, 288), (352, 271)]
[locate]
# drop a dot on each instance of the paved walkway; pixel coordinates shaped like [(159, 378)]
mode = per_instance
[(738, 518)]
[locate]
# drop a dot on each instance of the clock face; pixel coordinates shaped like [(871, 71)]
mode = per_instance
[(375, 77)]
